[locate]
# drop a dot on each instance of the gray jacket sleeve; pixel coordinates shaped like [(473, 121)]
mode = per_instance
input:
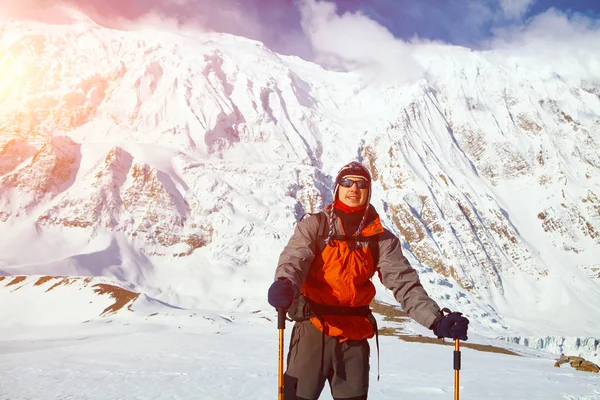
[(297, 256), (398, 276)]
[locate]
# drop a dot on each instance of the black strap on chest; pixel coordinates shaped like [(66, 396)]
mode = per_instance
[(324, 309)]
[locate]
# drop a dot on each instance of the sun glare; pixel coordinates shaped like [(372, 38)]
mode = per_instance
[(10, 75)]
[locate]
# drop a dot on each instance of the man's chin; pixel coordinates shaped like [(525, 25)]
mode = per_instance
[(353, 203)]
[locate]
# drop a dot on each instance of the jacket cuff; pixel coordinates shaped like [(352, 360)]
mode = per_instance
[(433, 319)]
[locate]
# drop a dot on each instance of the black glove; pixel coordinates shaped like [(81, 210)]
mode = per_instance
[(281, 293), (453, 325)]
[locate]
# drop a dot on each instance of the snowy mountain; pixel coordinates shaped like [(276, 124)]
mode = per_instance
[(177, 165)]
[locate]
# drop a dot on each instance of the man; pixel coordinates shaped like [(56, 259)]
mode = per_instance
[(326, 270)]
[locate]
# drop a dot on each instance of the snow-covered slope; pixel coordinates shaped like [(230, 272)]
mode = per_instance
[(66, 300), (178, 166), (238, 358)]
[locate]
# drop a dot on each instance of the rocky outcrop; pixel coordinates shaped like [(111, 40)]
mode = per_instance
[(50, 172), (13, 153), (579, 363), (45, 296), (124, 195)]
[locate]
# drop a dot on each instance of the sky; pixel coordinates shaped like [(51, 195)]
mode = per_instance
[(293, 26)]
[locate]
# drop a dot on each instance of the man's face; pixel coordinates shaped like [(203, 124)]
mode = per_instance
[(353, 196)]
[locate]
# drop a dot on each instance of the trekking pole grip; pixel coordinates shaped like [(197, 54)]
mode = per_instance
[(281, 318), (457, 354)]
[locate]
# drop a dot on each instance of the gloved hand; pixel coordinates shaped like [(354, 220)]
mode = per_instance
[(453, 325), (281, 293)]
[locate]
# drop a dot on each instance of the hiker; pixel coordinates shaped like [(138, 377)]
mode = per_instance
[(323, 279)]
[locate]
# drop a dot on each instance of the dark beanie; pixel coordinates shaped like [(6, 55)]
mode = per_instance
[(353, 168)]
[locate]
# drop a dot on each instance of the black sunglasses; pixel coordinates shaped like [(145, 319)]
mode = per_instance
[(347, 183)]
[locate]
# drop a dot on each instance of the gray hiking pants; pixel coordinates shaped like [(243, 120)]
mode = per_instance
[(314, 358)]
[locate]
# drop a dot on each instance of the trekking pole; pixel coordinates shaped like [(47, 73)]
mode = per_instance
[(281, 327), (456, 361), (456, 367)]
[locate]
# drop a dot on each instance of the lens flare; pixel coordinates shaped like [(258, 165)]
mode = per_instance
[(11, 76)]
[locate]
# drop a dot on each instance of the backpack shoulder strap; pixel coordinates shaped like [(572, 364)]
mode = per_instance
[(322, 232), (374, 249)]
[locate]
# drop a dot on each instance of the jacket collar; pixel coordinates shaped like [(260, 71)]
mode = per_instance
[(371, 228)]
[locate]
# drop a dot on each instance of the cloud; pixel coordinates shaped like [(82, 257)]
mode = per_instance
[(515, 9), (353, 41), (554, 43)]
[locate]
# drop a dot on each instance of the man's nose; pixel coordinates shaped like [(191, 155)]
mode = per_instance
[(354, 190)]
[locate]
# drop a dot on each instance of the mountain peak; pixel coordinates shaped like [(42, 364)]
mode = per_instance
[(77, 16)]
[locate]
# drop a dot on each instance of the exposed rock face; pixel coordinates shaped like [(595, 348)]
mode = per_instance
[(579, 363), (48, 173), (13, 153), (99, 296), (130, 197)]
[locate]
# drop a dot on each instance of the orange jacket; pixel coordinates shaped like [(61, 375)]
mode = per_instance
[(341, 276)]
